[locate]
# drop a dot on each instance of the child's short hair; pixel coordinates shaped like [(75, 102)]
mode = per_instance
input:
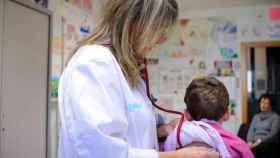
[(206, 98)]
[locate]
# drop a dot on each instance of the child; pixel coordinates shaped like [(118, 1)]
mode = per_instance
[(207, 103)]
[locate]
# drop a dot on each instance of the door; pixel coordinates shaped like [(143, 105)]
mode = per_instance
[(24, 81), (1, 39)]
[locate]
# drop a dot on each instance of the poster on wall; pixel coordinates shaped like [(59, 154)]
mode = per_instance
[(169, 84), (85, 5), (76, 27), (259, 25), (223, 36), (264, 24), (179, 61), (194, 36), (187, 41), (57, 59), (274, 22), (231, 85), (54, 86), (224, 68)]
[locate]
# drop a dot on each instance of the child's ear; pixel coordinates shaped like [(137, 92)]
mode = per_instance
[(188, 116), (226, 115)]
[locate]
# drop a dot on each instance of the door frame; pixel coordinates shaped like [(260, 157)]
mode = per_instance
[(48, 13), (1, 50), (245, 58)]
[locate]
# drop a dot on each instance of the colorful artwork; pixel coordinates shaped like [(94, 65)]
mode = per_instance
[(223, 34), (87, 4), (194, 36), (85, 28), (54, 86), (82, 4), (76, 27), (274, 30), (228, 53), (224, 68), (71, 39), (206, 46), (232, 107), (57, 42), (264, 24), (274, 14), (236, 66)]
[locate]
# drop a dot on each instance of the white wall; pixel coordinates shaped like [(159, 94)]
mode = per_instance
[(202, 5), (73, 15), (253, 24)]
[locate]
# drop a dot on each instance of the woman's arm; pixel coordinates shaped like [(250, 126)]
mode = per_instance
[(190, 152), (274, 129), (251, 131)]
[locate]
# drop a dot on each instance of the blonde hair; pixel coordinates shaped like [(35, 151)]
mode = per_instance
[(131, 25)]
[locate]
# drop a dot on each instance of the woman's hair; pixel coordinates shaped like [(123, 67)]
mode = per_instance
[(265, 96), (130, 25), (207, 98)]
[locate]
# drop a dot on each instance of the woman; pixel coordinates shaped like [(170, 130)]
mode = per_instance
[(264, 130), (105, 112), (265, 125)]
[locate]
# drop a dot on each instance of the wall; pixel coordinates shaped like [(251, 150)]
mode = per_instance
[(208, 43), (72, 22), (187, 5)]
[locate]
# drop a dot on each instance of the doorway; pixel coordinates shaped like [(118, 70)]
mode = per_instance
[(260, 73)]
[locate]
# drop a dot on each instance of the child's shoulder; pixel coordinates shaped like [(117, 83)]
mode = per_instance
[(194, 129), (191, 124)]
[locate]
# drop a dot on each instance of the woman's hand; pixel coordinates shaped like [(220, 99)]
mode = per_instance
[(165, 130), (191, 152), (256, 143), (251, 145), (197, 152)]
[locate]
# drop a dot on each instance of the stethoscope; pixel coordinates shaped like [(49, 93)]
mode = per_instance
[(181, 114)]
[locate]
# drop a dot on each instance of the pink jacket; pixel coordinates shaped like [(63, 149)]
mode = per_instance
[(236, 147)]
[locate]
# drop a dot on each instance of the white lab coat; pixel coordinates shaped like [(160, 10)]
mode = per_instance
[(101, 115)]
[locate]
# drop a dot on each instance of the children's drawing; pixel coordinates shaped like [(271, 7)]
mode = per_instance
[(223, 34), (224, 68)]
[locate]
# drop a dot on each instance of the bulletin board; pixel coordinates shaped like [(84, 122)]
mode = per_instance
[(208, 46)]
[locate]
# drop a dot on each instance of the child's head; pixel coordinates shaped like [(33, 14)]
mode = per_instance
[(207, 98)]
